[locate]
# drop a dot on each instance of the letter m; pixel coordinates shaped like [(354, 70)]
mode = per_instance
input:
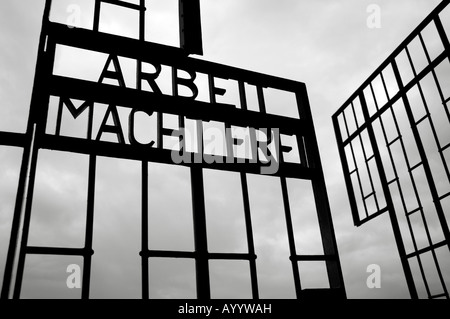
[(75, 113)]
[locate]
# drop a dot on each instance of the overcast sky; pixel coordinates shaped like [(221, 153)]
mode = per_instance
[(326, 44)]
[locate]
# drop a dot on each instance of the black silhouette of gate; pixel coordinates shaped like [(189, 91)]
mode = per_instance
[(393, 136), (37, 137)]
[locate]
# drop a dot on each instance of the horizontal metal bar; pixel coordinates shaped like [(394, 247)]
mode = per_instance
[(394, 140), (167, 254), (444, 196), (188, 254), (313, 258), (152, 102), (59, 251), (369, 195), (234, 256), (370, 158), (427, 249), (374, 215), (415, 166), (441, 57), (143, 152), (354, 135), (439, 296), (13, 139), (414, 211), (393, 180), (395, 53), (422, 119), (444, 147), (166, 55), (125, 4)]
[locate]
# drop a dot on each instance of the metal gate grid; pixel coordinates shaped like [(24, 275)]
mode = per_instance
[(393, 136), (37, 138)]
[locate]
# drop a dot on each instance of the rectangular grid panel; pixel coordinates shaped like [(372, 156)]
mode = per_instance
[(409, 147), (37, 138)]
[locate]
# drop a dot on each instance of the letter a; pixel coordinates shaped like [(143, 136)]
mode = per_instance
[(374, 279), (114, 129), (114, 75), (74, 279), (374, 19)]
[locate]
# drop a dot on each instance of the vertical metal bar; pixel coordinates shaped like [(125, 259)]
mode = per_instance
[(144, 176), (291, 237), (144, 232), (358, 176), (424, 159), (26, 218), (261, 100), (200, 234), (26, 182), (433, 72), (446, 44), (228, 133), (301, 150), (329, 243), (17, 220), (428, 173), (400, 190), (403, 200), (250, 240), (96, 26), (59, 117), (242, 96), (183, 135), (190, 26), (198, 157), (142, 20), (346, 169), (90, 121), (372, 190), (89, 228), (389, 202), (159, 124)]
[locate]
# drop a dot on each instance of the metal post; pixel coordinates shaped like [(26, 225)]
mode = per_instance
[(200, 234)]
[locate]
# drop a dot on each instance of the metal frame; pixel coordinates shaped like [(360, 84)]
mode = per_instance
[(46, 84), (360, 176)]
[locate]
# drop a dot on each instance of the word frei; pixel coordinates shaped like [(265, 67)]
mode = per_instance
[(263, 145)]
